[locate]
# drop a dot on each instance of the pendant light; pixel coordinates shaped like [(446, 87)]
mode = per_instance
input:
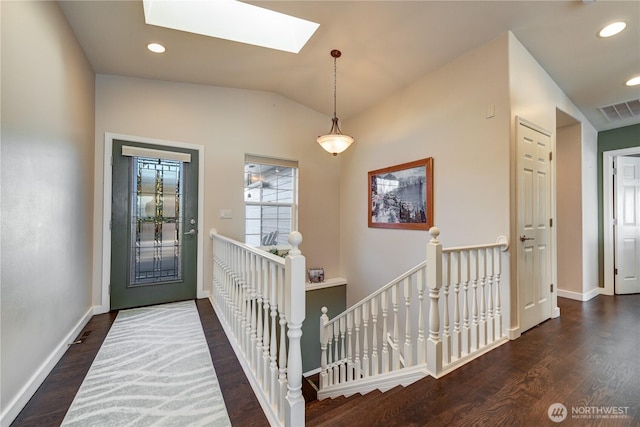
[(335, 142)]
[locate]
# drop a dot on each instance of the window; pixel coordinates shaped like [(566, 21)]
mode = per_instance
[(270, 197)]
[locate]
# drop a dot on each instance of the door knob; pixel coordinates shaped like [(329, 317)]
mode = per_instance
[(523, 238), (192, 232)]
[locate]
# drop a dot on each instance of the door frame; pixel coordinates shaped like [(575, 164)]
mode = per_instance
[(105, 299), (515, 331), (607, 215)]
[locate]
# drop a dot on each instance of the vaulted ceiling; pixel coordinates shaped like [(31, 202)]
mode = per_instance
[(385, 46)]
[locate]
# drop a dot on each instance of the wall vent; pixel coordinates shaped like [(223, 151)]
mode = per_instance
[(623, 110)]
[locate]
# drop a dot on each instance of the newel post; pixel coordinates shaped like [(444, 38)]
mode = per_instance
[(434, 283), (295, 309), (324, 319)]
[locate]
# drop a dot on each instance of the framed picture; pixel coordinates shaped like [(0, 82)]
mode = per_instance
[(402, 196), (316, 275)]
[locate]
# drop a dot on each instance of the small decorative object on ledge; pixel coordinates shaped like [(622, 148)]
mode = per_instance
[(316, 275), (281, 253), (402, 196)]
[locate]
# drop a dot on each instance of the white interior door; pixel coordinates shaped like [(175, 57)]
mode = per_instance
[(627, 215), (534, 234)]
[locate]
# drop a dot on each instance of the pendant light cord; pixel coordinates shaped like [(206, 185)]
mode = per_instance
[(335, 78)]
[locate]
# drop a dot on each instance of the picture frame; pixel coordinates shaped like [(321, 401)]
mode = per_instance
[(401, 196), (316, 275)]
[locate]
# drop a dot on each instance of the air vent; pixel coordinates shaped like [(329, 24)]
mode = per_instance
[(624, 110)]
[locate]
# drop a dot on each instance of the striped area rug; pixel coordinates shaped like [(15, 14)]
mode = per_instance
[(153, 369)]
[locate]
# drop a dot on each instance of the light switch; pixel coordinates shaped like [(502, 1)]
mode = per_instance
[(225, 213), (490, 111)]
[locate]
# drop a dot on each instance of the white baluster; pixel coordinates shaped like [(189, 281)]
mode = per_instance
[(395, 355), (385, 332), (356, 361), (498, 266), (466, 325), (282, 368), (421, 342), (259, 308), (455, 279), (339, 373), (265, 332), (330, 360), (491, 326), (341, 329), (254, 312), (475, 330), (374, 336), (273, 349), (349, 346), (446, 334), (408, 349), (482, 264), (365, 340)]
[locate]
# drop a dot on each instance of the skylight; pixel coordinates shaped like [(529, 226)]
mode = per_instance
[(231, 20)]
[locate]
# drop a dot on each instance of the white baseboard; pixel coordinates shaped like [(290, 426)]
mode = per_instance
[(579, 296), (514, 333), (311, 372), (100, 309), (22, 398), (203, 294)]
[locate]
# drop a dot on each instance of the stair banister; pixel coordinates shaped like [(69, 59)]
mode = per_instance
[(460, 320), (255, 295)]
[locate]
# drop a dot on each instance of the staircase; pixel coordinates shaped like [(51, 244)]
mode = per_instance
[(382, 342), (431, 320)]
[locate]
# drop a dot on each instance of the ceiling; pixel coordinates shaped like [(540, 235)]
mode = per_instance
[(386, 45)]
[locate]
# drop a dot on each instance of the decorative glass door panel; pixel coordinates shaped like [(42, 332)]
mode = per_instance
[(154, 235), (156, 241)]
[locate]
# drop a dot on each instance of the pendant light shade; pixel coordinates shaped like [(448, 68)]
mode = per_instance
[(335, 142)]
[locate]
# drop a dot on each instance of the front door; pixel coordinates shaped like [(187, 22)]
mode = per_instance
[(534, 235), (627, 215), (154, 224)]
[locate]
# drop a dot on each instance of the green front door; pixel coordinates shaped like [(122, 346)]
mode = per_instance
[(154, 224)]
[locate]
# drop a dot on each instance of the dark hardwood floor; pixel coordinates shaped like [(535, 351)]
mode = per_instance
[(52, 400), (588, 360)]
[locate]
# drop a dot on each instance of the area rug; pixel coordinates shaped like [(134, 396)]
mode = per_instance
[(153, 369)]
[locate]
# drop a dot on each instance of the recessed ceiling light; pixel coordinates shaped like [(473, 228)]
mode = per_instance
[(634, 81), (612, 29), (156, 48), (232, 20)]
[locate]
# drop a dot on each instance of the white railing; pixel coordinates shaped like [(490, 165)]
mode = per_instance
[(260, 300), (395, 337)]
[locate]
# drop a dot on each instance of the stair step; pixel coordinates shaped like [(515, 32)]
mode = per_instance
[(335, 411)]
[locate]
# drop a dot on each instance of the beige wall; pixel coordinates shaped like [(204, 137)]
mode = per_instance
[(228, 123), (442, 115), (569, 208), (47, 193), (536, 97)]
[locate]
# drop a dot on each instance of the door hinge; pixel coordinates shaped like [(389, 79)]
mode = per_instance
[(615, 171), (615, 271), (615, 221), (110, 224), (551, 287), (550, 222), (550, 155)]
